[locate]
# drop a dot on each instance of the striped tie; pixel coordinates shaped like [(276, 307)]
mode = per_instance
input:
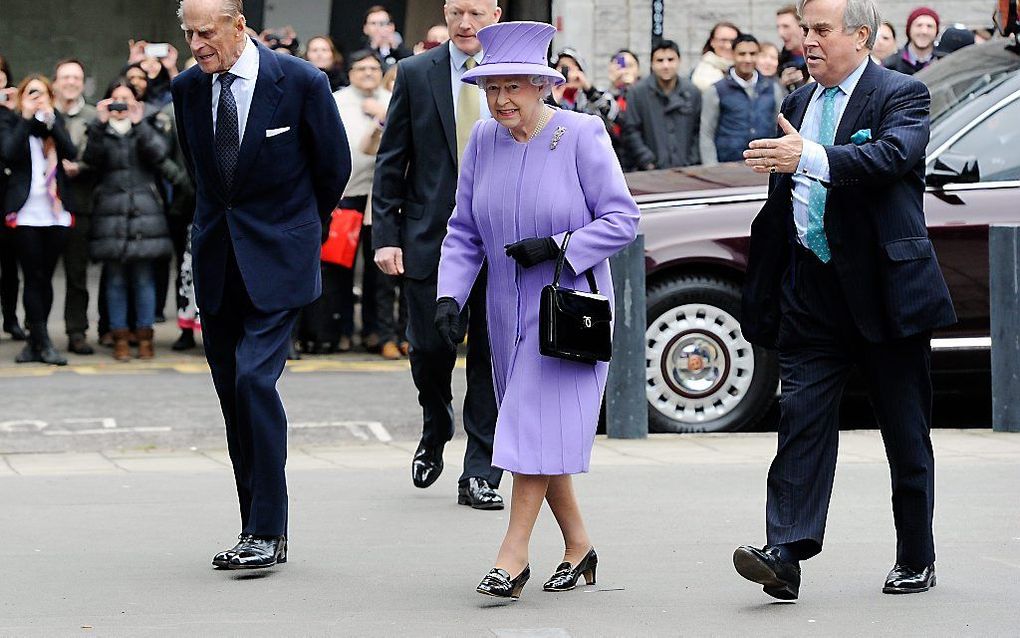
[(815, 236)]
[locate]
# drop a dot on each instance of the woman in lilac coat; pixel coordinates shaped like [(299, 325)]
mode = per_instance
[(528, 176)]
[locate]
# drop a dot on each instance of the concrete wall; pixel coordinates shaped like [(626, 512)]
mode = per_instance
[(597, 28), (34, 34)]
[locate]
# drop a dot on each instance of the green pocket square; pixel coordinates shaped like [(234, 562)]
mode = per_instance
[(861, 136)]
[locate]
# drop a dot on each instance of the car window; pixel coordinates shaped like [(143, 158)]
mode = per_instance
[(994, 142)]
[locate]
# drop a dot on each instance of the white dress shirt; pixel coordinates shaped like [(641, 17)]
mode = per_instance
[(457, 71), (40, 209), (814, 163), (247, 71)]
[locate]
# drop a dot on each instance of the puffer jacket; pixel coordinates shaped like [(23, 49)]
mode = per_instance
[(128, 222)]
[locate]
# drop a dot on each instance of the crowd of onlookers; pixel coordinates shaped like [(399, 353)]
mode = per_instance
[(105, 185)]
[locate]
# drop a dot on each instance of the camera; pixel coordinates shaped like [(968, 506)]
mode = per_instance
[(34, 92), (565, 71), (117, 106), (621, 61), (157, 50)]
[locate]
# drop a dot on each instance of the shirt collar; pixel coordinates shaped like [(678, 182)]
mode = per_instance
[(246, 66), (76, 107), (458, 57), (848, 85), (913, 59), (747, 84)]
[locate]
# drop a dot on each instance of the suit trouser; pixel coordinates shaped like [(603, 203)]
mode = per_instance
[(432, 369), (9, 281), (819, 345), (76, 265), (247, 350)]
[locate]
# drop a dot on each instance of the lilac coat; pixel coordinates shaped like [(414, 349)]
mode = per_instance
[(508, 191)]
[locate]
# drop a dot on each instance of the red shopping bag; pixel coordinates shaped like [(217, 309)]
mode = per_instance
[(344, 231)]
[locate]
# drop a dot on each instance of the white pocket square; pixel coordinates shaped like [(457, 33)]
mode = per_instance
[(273, 132)]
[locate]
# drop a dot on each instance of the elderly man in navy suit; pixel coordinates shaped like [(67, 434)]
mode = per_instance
[(841, 274), (264, 143)]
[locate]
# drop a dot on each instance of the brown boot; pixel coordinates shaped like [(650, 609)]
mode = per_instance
[(390, 351), (121, 348), (145, 349)]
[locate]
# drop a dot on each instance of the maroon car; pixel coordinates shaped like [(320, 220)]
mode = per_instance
[(702, 375)]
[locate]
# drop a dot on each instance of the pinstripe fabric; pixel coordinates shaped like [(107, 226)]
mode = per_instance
[(819, 347), (872, 307)]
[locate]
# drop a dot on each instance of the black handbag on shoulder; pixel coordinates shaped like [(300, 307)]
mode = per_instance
[(575, 325)]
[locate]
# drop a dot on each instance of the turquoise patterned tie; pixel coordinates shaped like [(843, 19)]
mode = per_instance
[(816, 241)]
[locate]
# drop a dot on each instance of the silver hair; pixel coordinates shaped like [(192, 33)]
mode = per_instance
[(544, 82), (231, 8), (857, 14)]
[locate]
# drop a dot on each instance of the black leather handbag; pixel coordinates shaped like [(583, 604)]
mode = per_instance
[(575, 325)]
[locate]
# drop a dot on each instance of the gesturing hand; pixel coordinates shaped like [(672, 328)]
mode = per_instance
[(448, 322), (780, 155), (529, 252)]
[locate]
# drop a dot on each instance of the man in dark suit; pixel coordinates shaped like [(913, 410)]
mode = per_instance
[(427, 126), (841, 273), (263, 140)]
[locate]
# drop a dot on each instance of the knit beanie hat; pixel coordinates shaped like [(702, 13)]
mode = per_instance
[(922, 11)]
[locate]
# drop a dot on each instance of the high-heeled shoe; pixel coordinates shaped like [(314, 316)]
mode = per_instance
[(566, 576), (497, 583)]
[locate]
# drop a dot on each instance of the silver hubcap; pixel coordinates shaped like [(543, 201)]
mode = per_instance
[(698, 364)]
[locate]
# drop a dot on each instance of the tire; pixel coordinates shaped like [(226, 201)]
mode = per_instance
[(702, 375)]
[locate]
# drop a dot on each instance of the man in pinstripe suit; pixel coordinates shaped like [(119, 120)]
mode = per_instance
[(841, 274)]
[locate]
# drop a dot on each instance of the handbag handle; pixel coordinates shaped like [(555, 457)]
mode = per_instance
[(563, 257)]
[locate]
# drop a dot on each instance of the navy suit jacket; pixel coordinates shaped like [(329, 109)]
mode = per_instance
[(285, 187), (874, 218), (416, 167)]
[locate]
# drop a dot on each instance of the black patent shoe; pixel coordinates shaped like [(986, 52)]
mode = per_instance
[(566, 576), (778, 578), (427, 465), (498, 584), (909, 580), (257, 553), (222, 559), (479, 495)]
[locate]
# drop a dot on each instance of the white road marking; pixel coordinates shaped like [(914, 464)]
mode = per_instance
[(358, 429)]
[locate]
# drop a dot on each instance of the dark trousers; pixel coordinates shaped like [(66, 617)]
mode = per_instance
[(818, 347), (9, 282), (369, 279), (432, 369), (76, 268), (247, 349), (39, 250), (391, 306)]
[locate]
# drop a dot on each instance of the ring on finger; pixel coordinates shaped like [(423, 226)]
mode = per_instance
[(772, 170)]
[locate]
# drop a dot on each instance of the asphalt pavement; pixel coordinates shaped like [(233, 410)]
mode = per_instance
[(119, 543)]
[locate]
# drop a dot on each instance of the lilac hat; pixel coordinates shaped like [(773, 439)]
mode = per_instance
[(515, 48)]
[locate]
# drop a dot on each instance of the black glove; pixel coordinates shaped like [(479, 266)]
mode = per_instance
[(529, 252), (448, 323)]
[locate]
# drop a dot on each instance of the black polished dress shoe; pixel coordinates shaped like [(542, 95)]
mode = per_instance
[(222, 559), (498, 584), (909, 580), (566, 576), (479, 494), (778, 578), (184, 342), (257, 553), (427, 465)]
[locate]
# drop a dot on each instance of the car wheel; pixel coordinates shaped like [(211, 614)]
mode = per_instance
[(702, 375)]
